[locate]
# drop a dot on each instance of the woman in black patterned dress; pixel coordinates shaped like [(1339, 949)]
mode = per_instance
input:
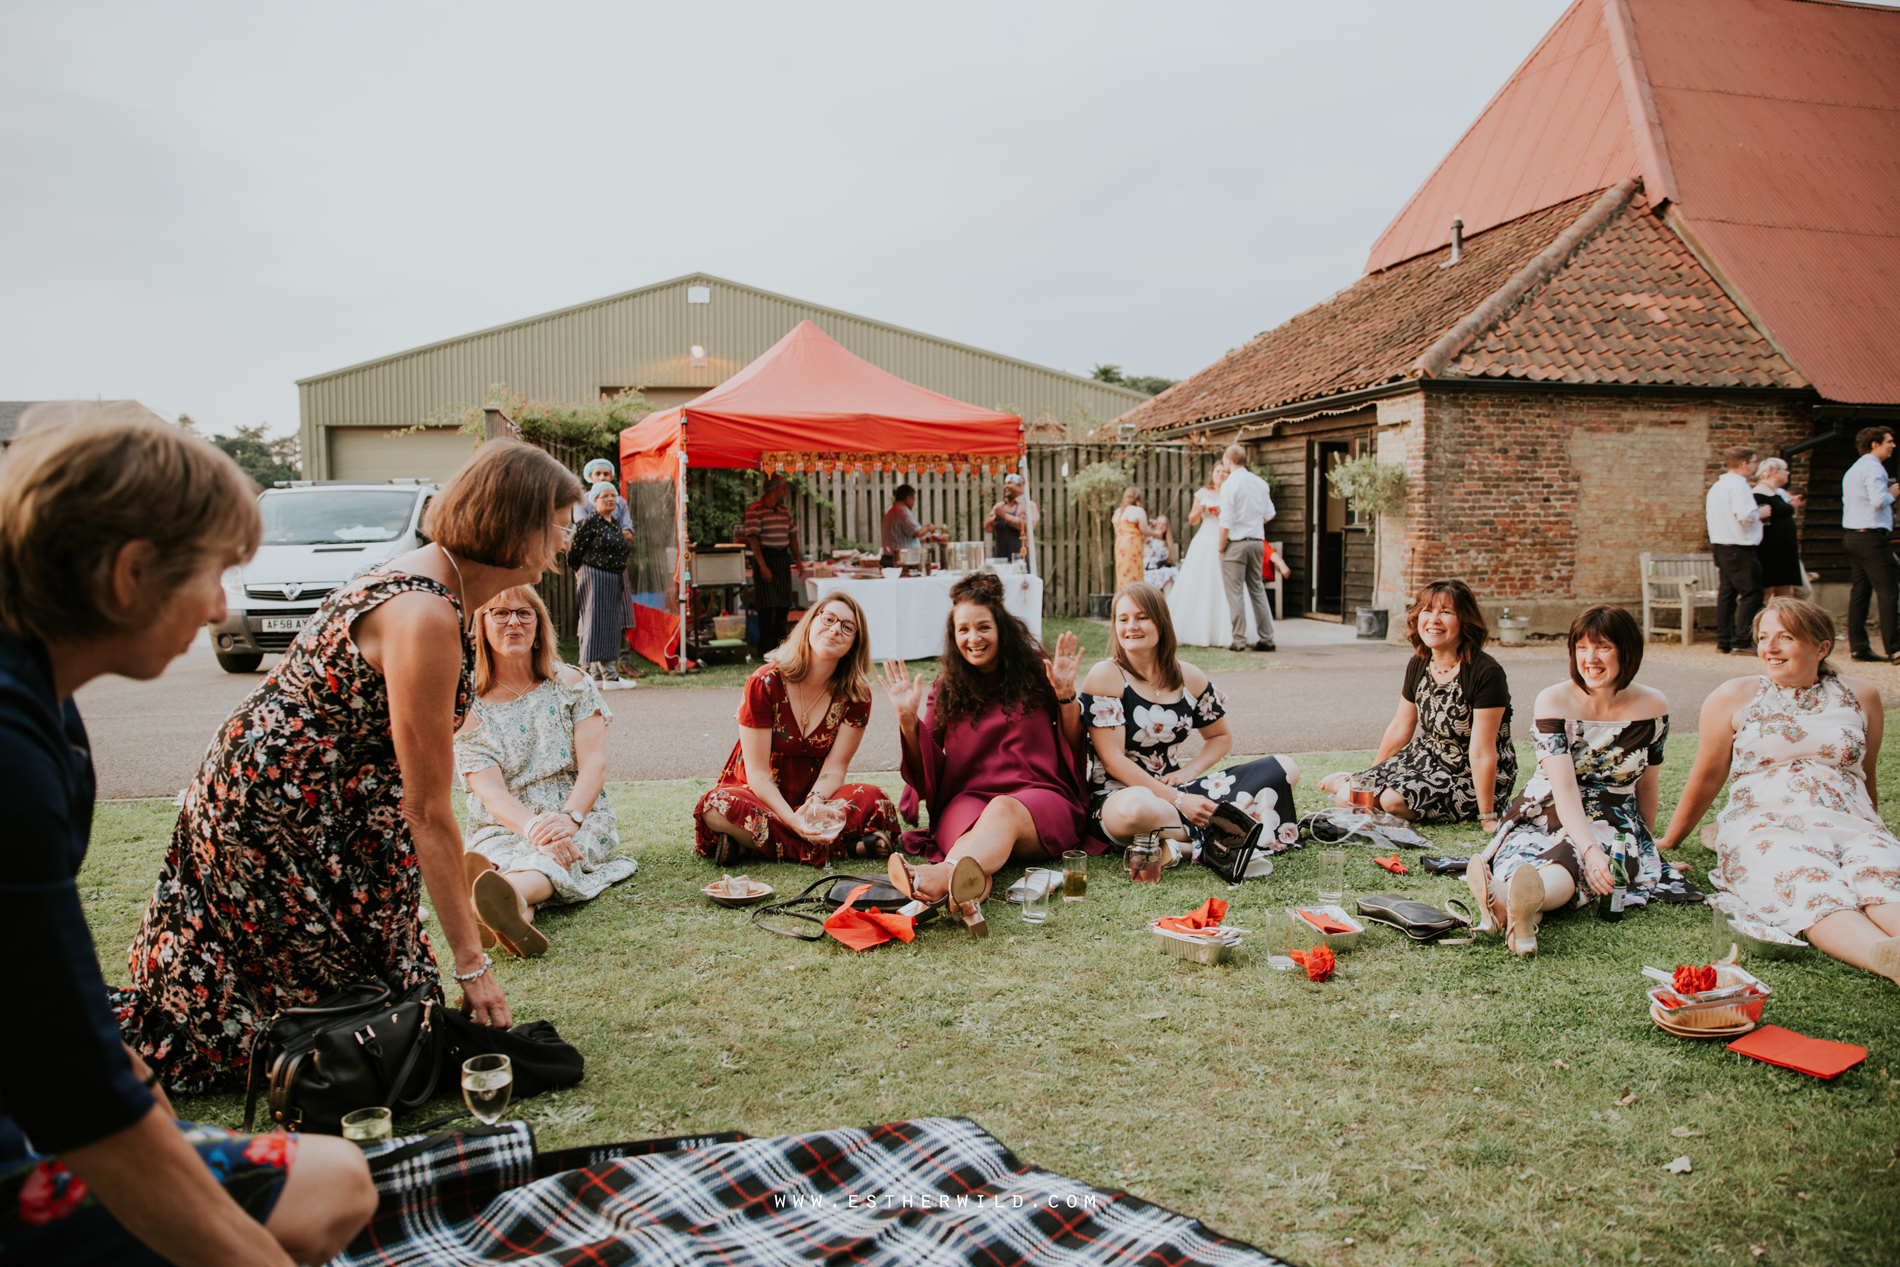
[(323, 805), (1447, 756)]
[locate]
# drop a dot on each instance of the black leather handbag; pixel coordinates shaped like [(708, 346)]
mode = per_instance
[(363, 1046), (1229, 842), (804, 916)]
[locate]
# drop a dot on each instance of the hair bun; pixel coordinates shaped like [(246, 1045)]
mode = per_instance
[(982, 587)]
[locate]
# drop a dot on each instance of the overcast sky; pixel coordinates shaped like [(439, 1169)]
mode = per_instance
[(203, 203)]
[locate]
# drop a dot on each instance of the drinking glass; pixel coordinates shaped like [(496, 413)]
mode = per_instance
[(1280, 931), (1723, 936), (1332, 877), (487, 1082), (1037, 900), (1075, 875), (367, 1126)]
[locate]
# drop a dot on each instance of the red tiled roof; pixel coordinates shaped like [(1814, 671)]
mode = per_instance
[(1772, 128), (1594, 290)]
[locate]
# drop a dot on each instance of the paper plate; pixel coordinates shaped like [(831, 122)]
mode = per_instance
[(1657, 1015), (758, 894)]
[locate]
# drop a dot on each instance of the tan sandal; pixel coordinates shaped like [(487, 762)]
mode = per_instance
[(1885, 957), (473, 864), (1478, 880), (500, 908), (1524, 904), (968, 887)]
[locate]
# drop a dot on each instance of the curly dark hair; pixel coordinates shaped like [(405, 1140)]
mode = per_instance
[(964, 691)]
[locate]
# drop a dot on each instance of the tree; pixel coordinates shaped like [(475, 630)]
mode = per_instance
[(1097, 488), (266, 459), (1148, 384)]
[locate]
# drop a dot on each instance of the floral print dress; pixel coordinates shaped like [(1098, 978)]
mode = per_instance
[(1800, 838), (1152, 735), (797, 760), (531, 741), (1610, 757), (291, 872)]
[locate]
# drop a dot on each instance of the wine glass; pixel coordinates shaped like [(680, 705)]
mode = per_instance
[(487, 1082)]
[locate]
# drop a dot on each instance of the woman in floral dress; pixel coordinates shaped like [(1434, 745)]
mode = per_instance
[(1447, 756), (1801, 843), (800, 723), (324, 805), (533, 755), (1599, 740), (1140, 706)]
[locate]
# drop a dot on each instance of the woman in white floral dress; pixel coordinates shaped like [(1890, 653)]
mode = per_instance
[(1140, 707), (1801, 842), (533, 755)]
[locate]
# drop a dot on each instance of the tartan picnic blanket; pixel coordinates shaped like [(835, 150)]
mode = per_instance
[(930, 1191)]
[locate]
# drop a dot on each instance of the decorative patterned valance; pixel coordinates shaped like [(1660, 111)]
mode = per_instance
[(864, 463)]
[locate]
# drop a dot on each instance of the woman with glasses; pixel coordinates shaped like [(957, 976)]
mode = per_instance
[(533, 755), (782, 795), (325, 802)]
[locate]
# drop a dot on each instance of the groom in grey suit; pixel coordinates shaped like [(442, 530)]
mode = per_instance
[(1245, 506)]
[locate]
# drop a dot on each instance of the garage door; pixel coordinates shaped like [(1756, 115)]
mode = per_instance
[(379, 453)]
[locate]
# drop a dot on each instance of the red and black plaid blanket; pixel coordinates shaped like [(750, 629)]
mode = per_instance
[(937, 1190)]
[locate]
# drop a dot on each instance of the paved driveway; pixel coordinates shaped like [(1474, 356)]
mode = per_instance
[(1333, 693)]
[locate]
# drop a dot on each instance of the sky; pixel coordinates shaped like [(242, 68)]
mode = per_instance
[(202, 203)]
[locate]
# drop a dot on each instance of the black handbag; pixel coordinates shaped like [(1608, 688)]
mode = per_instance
[(539, 1057), (1229, 842), (804, 916), (1418, 920), (363, 1046)]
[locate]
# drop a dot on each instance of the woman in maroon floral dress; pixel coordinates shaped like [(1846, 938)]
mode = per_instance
[(323, 806), (800, 723)]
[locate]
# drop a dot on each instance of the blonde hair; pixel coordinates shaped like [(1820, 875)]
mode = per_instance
[(1769, 466), (1131, 496), (851, 680), (1808, 622), (74, 494), (502, 499), (542, 663)]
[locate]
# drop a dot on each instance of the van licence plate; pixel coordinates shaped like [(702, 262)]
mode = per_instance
[(283, 624)]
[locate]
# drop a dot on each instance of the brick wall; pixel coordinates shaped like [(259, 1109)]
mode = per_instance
[(1542, 498)]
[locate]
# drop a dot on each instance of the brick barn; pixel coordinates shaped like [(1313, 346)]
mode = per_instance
[(1675, 229)]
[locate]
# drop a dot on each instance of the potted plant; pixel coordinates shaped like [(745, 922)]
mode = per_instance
[(1373, 488), (1097, 489)]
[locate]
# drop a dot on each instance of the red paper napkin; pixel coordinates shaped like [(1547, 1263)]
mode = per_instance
[(1816, 1056), (862, 930), (1208, 915), (1325, 923), (1393, 865)]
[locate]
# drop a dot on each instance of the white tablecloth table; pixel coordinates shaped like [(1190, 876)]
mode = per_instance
[(907, 615)]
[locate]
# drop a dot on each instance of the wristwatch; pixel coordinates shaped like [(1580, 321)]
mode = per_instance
[(580, 820)]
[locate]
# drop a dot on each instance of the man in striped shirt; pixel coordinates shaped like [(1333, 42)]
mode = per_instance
[(773, 537)]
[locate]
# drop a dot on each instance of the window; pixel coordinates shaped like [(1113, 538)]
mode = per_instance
[(699, 294)]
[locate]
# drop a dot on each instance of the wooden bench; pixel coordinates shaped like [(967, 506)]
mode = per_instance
[(1684, 582)]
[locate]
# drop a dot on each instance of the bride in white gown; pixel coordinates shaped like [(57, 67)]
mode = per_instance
[(1198, 601)]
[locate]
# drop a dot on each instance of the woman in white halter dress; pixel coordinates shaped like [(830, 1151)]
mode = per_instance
[(1198, 601)]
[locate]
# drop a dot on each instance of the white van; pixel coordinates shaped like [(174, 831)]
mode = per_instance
[(317, 535)]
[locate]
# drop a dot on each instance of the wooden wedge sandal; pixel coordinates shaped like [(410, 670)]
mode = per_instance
[(1524, 903), (473, 864), (1478, 880), (500, 908)]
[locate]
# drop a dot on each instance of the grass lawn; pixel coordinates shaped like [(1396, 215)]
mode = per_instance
[(1427, 1105), (732, 671)]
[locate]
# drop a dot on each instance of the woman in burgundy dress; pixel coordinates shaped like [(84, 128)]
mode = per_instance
[(800, 723), (997, 752)]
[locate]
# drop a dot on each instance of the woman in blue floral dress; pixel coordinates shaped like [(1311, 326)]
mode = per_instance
[(1599, 740), (323, 806), (1140, 707)]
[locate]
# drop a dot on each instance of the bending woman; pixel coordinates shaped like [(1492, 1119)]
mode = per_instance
[(1592, 801), (995, 750), (1801, 843), (1142, 705), (1447, 756), (800, 723), (324, 804), (533, 755)]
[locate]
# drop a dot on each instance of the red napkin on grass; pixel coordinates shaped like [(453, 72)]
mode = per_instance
[(1325, 923), (1393, 865), (1208, 915), (1816, 1056), (862, 930)]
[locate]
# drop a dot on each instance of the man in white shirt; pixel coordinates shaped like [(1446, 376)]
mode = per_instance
[(1867, 495), (1734, 532), (1245, 506)]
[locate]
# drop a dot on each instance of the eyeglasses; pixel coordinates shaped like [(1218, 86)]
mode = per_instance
[(567, 533), (827, 621), (512, 615)]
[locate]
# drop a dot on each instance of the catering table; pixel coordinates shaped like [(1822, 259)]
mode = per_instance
[(907, 614)]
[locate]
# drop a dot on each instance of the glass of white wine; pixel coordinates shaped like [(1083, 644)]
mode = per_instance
[(487, 1082), (367, 1126)]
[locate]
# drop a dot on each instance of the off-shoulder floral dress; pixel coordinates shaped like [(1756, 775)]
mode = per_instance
[(1152, 735), (291, 871), (531, 740)]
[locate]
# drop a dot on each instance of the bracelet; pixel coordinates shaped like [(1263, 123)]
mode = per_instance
[(487, 963), (1178, 794), (1060, 700)]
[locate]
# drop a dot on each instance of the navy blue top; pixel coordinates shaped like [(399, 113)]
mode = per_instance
[(65, 1080)]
